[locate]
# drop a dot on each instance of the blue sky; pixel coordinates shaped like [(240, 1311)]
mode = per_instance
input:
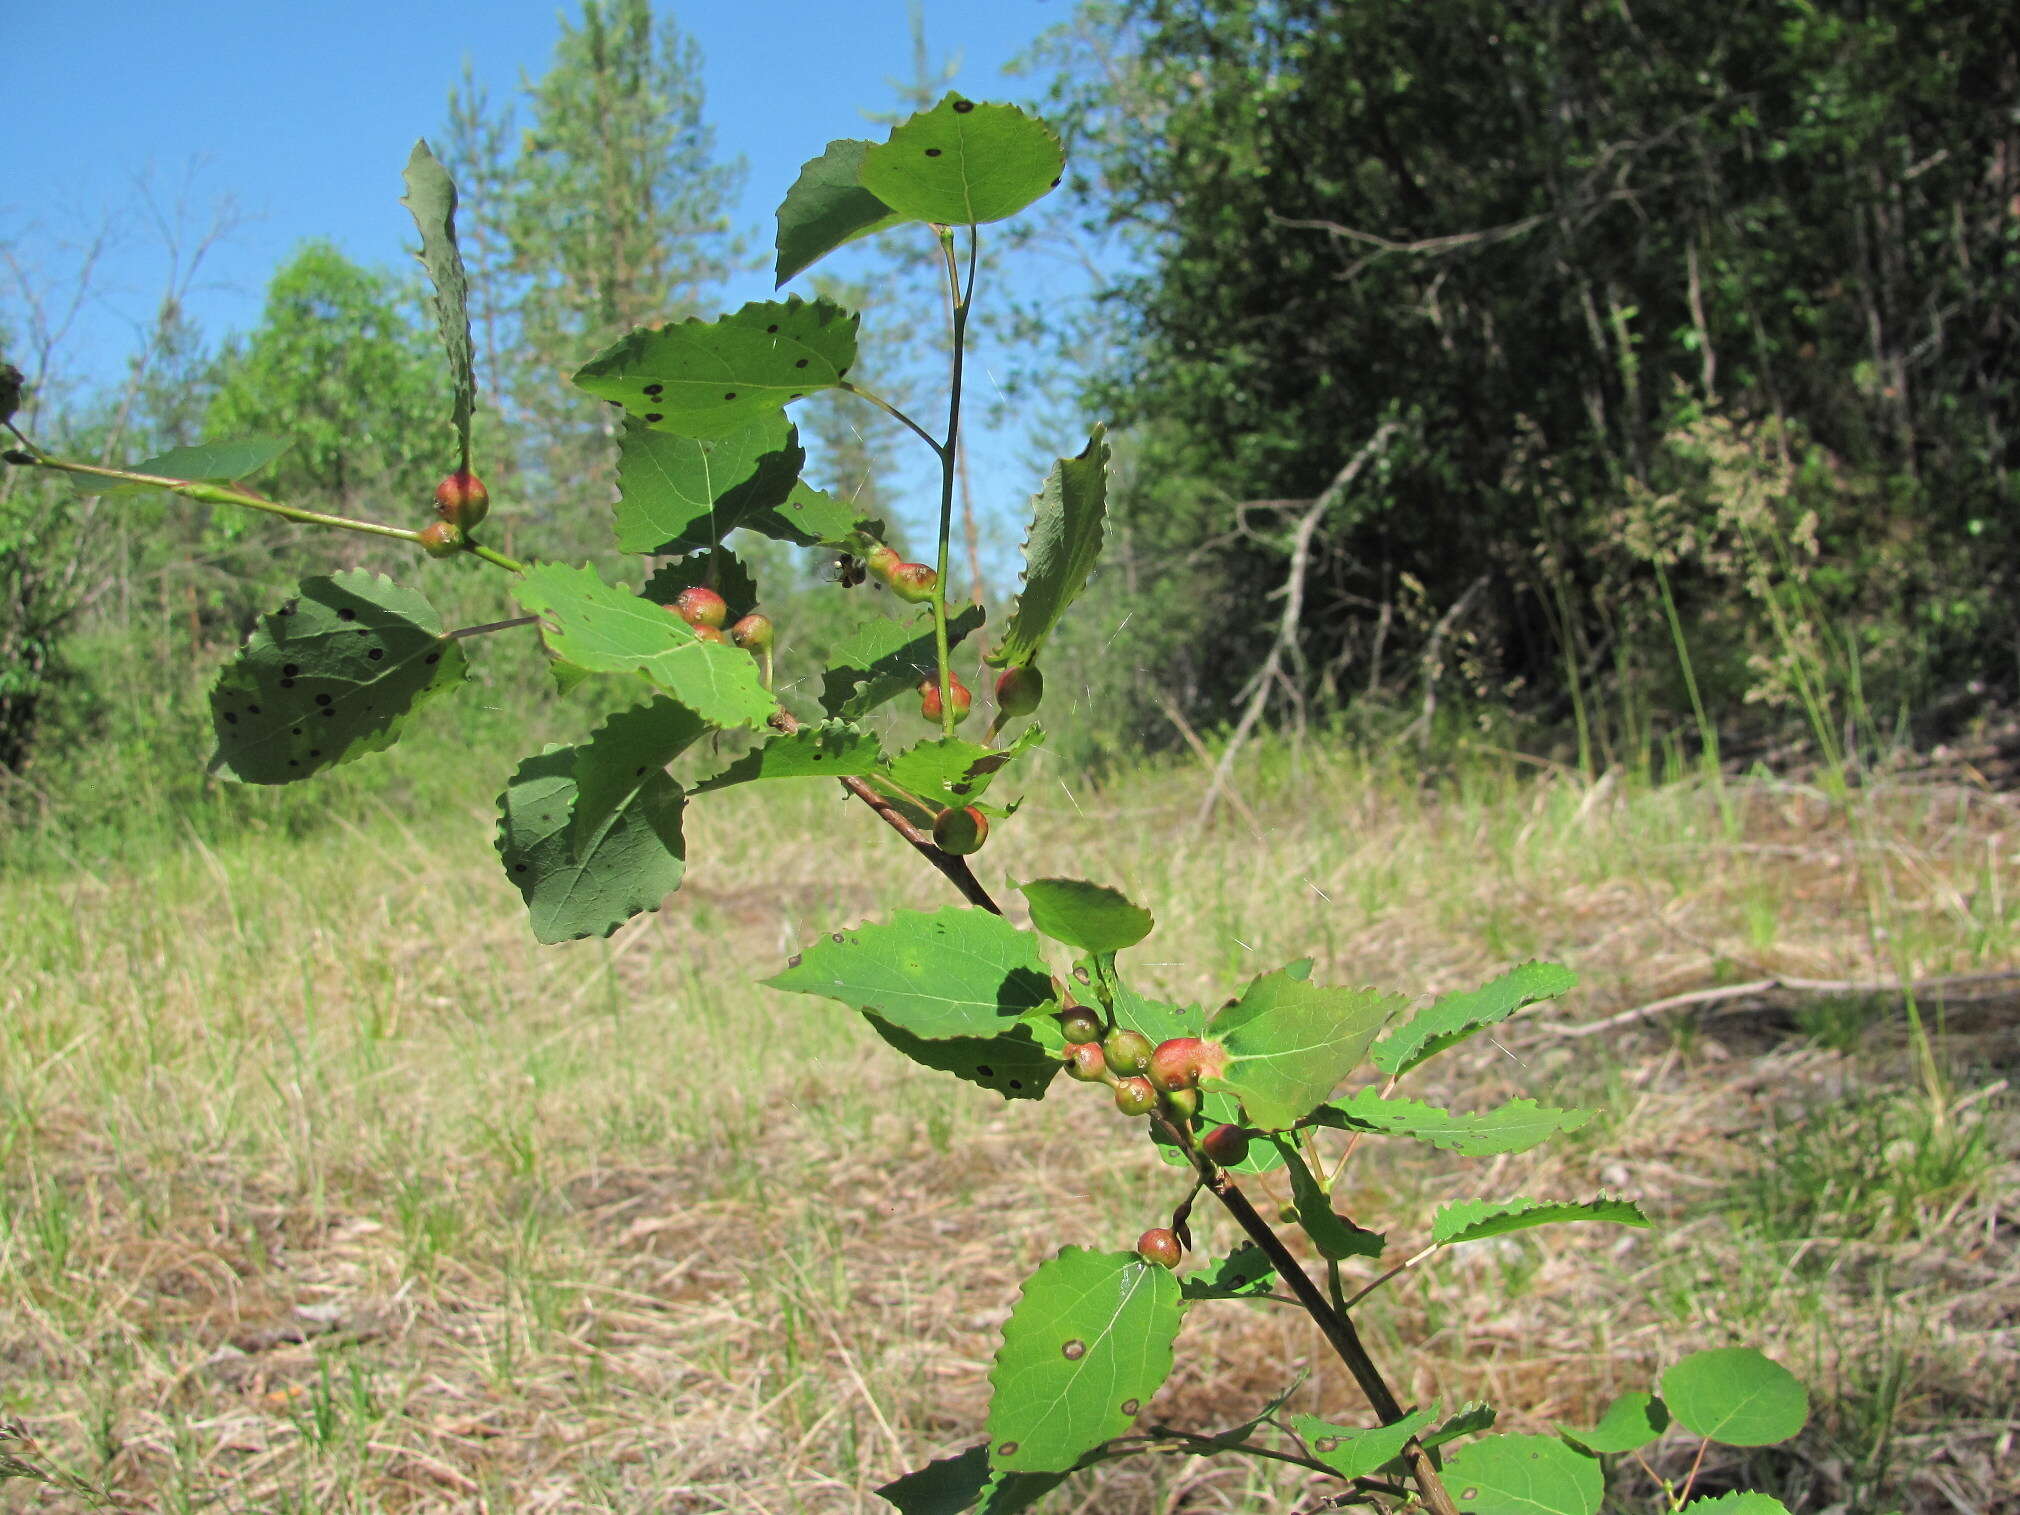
[(302, 115)]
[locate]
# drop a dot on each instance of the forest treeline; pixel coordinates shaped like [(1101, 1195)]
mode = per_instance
[(1677, 347), (1617, 371)]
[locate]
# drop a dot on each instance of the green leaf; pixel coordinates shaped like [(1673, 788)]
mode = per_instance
[(1457, 1016), (681, 494), (1060, 552), (1477, 1219), (833, 749), (967, 1482), (1015, 1062), (330, 676), (591, 834), (1523, 1475), (206, 463), (1468, 1419), (431, 196), (1087, 1344), (1220, 1110), (1631, 1421), (1242, 1274), (1355, 1453), (949, 771), (719, 568), (960, 971), (812, 518), (961, 164), (621, 781), (709, 379), (1161, 1022), (1736, 1395), (828, 206), (1092, 917), (882, 659), (1289, 1043), (1739, 1502), (1514, 1127), (1150, 1017), (608, 629), (1331, 1233)]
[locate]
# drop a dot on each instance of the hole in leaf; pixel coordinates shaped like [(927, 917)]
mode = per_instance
[(518, 867), (1131, 1406), (322, 699), (1006, 1448), (315, 752), (1074, 1350), (985, 1070), (347, 614), (297, 731), (793, 961), (1016, 1083), (731, 395), (932, 152), (1325, 1444), (773, 327), (653, 391), (837, 936), (653, 415), (291, 670), (962, 107), (376, 653)]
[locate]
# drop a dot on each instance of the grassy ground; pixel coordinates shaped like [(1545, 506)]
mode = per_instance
[(323, 1188)]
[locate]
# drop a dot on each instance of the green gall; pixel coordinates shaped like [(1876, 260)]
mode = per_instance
[(1128, 1052), (442, 539), (961, 832), (1134, 1096)]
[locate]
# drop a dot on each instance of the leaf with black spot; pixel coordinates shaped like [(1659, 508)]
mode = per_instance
[(328, 677), (712, 378), (591, 834), (1015, 1063), (831, 750), (963, 163), (958, 971), (682, 494)]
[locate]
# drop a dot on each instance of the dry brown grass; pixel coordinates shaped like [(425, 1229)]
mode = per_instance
[(326, 1189)]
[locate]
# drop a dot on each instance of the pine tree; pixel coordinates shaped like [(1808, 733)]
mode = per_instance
[(618, 216)]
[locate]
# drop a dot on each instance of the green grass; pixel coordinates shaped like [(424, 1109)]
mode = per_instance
[(325, 1188)]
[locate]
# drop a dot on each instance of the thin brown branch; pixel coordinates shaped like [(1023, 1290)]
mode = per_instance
[(1333, 1324), (1759, 988), (954, 869)]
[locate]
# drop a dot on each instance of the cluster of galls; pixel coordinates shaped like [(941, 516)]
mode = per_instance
[(913, 583), (1145, 1078), (705, 611), (461, 500), (1018, 691)]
